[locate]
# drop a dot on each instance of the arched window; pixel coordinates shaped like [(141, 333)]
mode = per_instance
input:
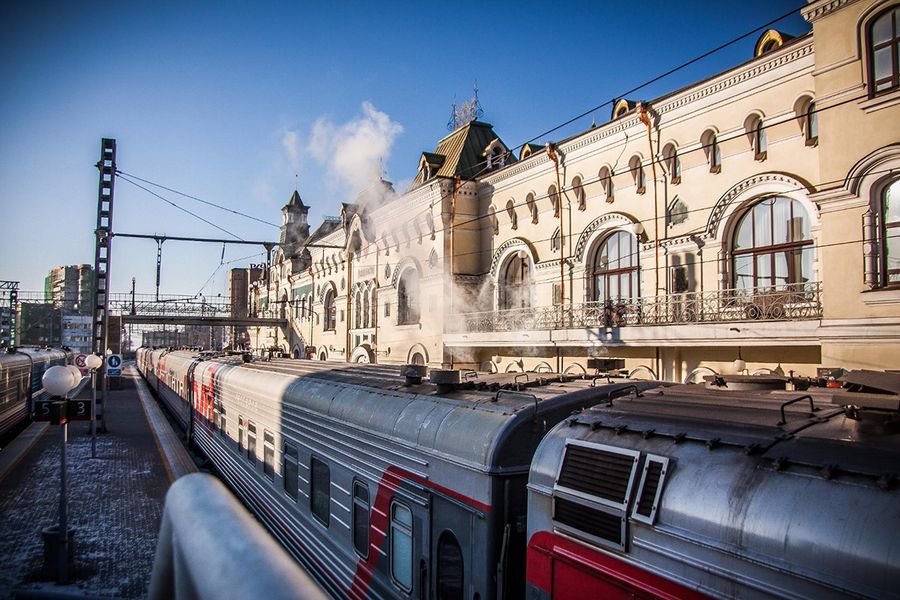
[(329, 310), (553, 194), (637, 172), (890, 233), (359, 312), (606, 181), (511, 211), (812, 125), (408, 297), (492, 219), (578, 190), (532, 207), (615, 268), (756, 133), (515, 282), (673, 163), (366, 308), (883, 49), (450, 568), (710, 143), (283, 306), (773, 245)]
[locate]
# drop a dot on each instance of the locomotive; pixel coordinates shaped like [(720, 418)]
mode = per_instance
[(21, 371), (385, 487)]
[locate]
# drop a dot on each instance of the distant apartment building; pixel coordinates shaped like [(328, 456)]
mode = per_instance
[(70, 288), (76, 332), (39, 324), (239, 282)]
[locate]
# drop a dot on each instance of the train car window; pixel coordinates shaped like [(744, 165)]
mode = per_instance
[(449, 568), (401, 545), (269, 455), (251, 442), (361, 518), (216, 418), (320, 490), (222, 429), (290, 472), (240, 434)]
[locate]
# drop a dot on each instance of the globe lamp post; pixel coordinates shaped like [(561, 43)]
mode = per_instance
[(93, 362), (58, 381)]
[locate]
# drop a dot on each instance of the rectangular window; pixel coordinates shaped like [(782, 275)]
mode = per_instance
[(290, 471), (387, 309), (361, 518), (401, 545), (269, 455), (240, 434), (222, 429), (251, 442), (320, 490)]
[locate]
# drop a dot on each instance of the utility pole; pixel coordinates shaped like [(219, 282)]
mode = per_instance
[(102, 255)]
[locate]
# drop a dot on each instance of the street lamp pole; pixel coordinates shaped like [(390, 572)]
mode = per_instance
[(93, 362)]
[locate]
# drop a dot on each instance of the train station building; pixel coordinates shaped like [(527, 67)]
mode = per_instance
[(751, 216)]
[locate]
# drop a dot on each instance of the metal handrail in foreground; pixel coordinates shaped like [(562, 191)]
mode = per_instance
[(211, 547)]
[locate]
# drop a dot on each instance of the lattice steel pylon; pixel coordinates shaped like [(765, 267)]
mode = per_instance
[(13, 287), (102, 255)]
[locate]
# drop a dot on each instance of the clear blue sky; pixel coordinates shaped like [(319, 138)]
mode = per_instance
[(221, 100)]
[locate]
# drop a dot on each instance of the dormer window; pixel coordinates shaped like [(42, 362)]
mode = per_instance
[(495, 155)]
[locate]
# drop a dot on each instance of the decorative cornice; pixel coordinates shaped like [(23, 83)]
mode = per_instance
[(816, 10), (774, 60)]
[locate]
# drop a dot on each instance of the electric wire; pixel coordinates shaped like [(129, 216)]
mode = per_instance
[(213, 204), (166, 200)]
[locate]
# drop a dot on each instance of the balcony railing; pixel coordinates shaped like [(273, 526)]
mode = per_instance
[(792, 302)]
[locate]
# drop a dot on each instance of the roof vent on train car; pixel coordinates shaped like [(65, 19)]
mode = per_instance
[(413, 373), (592, 491), (650, 488), (446, 380), (746, 382)]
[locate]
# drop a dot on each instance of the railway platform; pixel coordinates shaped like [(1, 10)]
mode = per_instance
[(115, 501)]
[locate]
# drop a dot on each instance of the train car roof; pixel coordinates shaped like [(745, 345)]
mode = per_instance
[(812, 428), (489, 421)]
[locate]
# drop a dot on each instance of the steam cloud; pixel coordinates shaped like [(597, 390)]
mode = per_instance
[(352, 152)]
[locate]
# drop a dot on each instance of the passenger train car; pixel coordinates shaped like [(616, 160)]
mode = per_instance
[(391, 488), (709, 491), (21, 373), (382, 487)]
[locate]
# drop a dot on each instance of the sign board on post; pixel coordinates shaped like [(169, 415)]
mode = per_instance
[(81, 364), (114, 365), (74, 410)]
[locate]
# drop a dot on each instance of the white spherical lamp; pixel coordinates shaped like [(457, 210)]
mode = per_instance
[(58, 380), (739, 365), (76, 373), (93, 361)]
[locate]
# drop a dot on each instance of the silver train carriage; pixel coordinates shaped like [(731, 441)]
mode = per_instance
[(381, 488), (21, 373), (706, 491)]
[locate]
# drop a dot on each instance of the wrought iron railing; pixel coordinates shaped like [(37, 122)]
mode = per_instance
[(792, 302)]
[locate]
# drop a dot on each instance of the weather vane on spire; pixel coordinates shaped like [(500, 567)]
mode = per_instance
[(466, 112)]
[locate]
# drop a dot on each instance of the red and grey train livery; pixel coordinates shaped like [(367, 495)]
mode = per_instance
[(710, 491), (382, 487), (21, 373)]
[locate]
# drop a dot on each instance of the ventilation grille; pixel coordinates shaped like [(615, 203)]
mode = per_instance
[(648, 491), (597, 472), (589, 520), (655, 468)]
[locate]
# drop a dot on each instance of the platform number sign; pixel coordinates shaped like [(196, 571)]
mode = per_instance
[(75, 410), (114, 365)]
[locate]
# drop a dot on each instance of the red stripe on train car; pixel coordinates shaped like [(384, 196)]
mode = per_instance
[(565, 569), (379, 522)]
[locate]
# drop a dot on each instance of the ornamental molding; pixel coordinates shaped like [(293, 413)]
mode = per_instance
[(725, 202), (405, 262), (817, 10), (607, 221), (510, 243), (687, 241), (619, 125)]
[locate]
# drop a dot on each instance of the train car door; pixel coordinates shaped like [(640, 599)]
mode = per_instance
[(451, 550)]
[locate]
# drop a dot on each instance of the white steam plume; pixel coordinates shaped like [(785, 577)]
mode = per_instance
[(353, 152)]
